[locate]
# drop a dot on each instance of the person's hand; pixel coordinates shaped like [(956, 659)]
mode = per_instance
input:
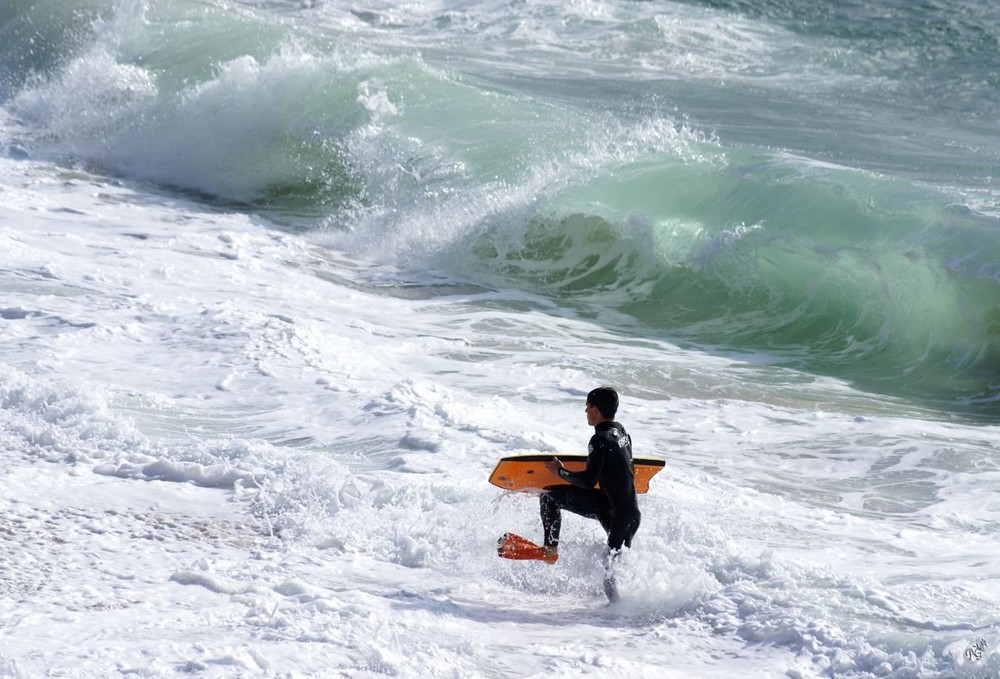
[(555, 465)]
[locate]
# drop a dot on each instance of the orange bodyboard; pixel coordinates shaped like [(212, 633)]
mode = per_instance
[(528, 472)]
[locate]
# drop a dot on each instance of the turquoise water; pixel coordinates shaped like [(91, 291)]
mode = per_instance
[(809, 181)]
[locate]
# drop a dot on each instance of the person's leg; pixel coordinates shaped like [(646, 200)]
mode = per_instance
[(610, 582), (623, 529), (551, 520), (633, 528), (589, 503)]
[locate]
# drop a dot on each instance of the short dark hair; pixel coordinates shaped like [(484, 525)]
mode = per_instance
[(605, 399)]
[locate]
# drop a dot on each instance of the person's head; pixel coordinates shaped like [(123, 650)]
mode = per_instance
[(602, 404)]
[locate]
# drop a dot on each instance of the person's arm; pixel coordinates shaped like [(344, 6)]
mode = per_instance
[(588, 477)]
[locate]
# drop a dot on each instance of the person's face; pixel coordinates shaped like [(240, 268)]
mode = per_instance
[(593, 414)]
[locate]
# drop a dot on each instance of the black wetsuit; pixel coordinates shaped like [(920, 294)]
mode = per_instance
[(614, 504)]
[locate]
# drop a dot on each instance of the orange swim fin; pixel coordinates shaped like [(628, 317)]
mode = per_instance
[(512, 546)]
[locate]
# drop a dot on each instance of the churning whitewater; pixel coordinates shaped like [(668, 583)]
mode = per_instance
[(281, 280)]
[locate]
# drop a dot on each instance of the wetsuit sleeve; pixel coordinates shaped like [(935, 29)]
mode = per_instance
[(595, 463)]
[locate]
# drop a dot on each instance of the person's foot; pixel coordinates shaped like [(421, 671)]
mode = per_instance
[(550, 554)]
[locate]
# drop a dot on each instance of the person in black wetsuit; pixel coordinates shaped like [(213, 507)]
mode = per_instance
[(609, 464)]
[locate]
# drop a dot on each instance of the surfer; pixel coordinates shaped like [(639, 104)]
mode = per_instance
[(609, 463)]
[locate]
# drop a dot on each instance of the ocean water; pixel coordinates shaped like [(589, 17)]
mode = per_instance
[(280, 281)]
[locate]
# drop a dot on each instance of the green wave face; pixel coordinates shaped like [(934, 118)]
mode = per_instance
[(870, 279), (428, 145)]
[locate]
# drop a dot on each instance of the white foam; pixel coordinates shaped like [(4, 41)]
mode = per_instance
[(326, 509), (230, 451)]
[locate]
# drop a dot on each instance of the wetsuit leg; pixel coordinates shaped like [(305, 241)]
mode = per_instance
[(589, 503), (551, 520), (622, 531)]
